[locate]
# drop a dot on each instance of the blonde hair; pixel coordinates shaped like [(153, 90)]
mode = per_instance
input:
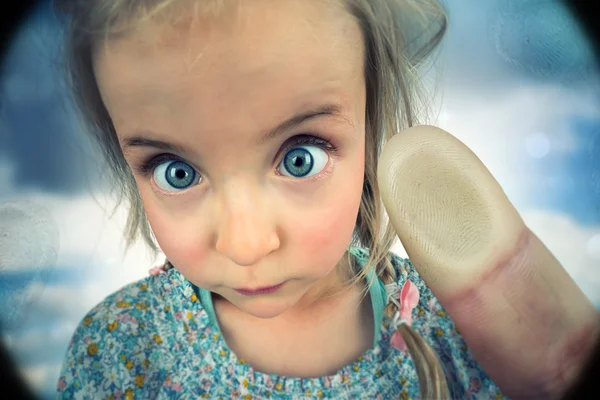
[(398, 35)]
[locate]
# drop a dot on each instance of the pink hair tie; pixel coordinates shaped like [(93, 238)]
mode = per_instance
[(406, 299), (156, 270), (160, 269)]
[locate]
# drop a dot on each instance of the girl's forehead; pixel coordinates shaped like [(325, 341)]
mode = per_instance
[(255, 25), (275, 48)]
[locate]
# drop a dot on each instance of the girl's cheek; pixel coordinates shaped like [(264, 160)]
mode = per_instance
[(182, 239), (322, 235), (191, 255), (328, 229)]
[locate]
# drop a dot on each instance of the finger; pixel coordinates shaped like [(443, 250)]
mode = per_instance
[(525, 320)]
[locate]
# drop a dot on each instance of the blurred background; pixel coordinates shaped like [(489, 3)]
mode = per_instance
[(515, 80)]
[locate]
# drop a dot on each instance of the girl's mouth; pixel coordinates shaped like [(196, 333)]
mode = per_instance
[(263, 290)]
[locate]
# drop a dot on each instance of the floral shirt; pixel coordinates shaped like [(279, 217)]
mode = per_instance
[(158, 338)]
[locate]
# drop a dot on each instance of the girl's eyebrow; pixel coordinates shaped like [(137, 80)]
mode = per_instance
[(331, 109), (289, 124), (141, 141)]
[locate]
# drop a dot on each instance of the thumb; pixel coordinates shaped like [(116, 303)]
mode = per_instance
[(524, 319)]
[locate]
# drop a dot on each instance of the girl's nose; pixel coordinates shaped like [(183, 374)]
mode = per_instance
[(245, 234)]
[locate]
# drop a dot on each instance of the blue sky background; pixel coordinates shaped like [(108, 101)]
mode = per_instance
[(515, 80)]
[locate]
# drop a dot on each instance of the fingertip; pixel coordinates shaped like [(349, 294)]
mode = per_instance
[(449, 212)]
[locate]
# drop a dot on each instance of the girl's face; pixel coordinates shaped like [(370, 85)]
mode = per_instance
[(246, 138)]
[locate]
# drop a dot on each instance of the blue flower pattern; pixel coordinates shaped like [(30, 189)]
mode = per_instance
[(152, 339)]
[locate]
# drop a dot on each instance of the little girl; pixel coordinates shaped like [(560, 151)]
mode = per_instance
[(245, 136)]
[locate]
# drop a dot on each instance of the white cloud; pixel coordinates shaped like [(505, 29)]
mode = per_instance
[(100, 236), (39, 345), (7, 171), (593, 247), (91, 246), (32, 344), (38, 357), (29, 238), (92, 239), (63, 302), (41, 377), (507, 119), (569, 242), (501, 127), (537, 145)]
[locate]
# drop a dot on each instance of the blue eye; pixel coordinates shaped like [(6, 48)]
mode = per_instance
[(303, 161), (174, 176)]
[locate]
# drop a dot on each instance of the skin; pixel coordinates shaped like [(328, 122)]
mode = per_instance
[(524, 319), (215, 90)]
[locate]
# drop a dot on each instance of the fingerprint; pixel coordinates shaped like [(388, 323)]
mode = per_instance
[(29, 243), (541, 38)]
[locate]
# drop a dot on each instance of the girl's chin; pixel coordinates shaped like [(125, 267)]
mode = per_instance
[(263, 308)]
